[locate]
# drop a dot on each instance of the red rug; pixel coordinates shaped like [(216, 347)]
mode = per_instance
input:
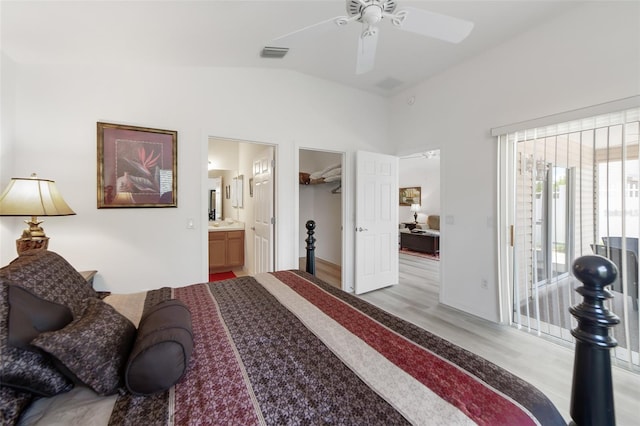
[(420, 254), (221, 276)]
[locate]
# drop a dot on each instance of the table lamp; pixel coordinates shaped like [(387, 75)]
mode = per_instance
[(415, 208), (33, 197)]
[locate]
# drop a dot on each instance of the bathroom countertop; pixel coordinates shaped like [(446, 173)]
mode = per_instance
[(226, 226)]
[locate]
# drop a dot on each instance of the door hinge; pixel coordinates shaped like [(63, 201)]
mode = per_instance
[(273, 220), (273, 164)]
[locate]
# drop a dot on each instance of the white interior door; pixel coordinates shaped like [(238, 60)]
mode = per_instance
[(263, 212), (376, 230)]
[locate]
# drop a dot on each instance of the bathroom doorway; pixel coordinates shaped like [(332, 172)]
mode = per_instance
[(233, 163)]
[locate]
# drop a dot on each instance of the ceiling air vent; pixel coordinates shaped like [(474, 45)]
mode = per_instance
[(389, 83), (274, 52)]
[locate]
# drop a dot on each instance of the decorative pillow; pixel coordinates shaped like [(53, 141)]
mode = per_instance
[(433, 221), (49, 277), (161, 352), (30, 315), (94, 347), (26, 370), (12, 404)]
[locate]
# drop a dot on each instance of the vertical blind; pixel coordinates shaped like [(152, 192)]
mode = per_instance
[(576, 192)]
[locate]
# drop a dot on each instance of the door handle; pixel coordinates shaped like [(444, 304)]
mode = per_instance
[(361, 229), (253, 228)]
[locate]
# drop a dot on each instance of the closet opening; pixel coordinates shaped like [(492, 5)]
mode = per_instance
[(320, 199)]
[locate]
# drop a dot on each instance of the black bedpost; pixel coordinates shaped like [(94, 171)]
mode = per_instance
[(592, 391), (311, 248)]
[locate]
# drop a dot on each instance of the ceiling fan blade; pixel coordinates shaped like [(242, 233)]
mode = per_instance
[(431, 24), (367, 44), (293, 38)]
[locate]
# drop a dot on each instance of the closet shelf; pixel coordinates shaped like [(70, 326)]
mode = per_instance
[(329, 174), (320, 181)]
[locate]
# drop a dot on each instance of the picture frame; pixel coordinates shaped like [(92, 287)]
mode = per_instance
[(410, 195), (137, 166)]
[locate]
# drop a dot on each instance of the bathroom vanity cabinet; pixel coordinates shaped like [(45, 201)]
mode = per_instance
[(226, 250)]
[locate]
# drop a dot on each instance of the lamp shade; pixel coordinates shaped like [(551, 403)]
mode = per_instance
[(415, 207), (33, 197)]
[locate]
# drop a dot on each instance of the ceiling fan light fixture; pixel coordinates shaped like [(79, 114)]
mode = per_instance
[(371, 15)]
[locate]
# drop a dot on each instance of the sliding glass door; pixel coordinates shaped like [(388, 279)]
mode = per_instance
[(569, 190), (552, 222)]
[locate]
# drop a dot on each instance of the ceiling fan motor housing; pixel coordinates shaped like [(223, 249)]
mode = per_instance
[(363, 8)]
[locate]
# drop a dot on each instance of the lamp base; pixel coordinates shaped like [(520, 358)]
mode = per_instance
[(36, 243)]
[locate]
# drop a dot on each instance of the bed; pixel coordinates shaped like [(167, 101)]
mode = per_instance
[(277, 348)]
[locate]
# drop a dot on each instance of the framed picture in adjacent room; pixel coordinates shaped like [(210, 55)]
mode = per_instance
[(137, 166), (410, 195)]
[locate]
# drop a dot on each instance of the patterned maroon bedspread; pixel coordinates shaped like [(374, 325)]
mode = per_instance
[(286, 348)]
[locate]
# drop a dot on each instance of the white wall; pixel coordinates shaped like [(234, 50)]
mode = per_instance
[(57, 108), (425, 173), (9, 230), (223, 154), (588, 56)]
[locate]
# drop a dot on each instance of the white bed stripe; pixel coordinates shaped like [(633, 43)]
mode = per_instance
[(415, 401)]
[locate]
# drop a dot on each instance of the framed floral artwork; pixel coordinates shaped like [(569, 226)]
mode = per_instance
[(410, 195), (137, 166)]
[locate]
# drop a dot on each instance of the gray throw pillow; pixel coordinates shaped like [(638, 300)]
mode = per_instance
[(30, 315), (26, 370), (161, 352), (93, 348)]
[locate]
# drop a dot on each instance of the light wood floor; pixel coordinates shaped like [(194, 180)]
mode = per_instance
[(327, 271), (546, 365)]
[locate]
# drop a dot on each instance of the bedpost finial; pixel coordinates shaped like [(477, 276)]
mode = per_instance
[(595, 270), (311, 248)]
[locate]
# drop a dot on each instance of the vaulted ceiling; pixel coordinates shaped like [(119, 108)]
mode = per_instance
[(206, 33)]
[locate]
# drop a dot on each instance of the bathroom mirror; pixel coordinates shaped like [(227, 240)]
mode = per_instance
[(215, 198)]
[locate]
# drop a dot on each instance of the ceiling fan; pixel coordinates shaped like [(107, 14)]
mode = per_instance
[(372, 12)]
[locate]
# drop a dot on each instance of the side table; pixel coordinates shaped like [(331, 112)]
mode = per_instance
[(424, 242), (88, 276)]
